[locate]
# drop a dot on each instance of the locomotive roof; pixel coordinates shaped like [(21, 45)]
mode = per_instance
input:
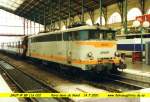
[(87, 27)]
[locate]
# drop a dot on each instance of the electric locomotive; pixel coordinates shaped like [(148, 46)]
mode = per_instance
[(84, 47), (91, 48)]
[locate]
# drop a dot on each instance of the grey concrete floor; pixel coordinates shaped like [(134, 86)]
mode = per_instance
[(137, 65)]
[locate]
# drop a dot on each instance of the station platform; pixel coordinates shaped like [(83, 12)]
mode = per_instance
[(137, 68), (4, 88)]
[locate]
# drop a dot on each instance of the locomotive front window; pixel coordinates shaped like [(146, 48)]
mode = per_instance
[(94, 35), (101, 35), (110, 36)]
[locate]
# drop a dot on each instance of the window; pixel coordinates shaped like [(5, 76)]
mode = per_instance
[(59, 37), (148, 12), (98, 21), (89, 22), (75, 35), (47, 38), (52, 37), (101, 35), (89, 35), (83, 35), (63, 27), (93, 34), (65, 36), (13, 24), (133, 13), (109, 35), (114, 18), (71, 36)]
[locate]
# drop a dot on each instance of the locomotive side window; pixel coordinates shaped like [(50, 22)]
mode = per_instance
[(59, 37), (65, 36), (74, 35), (83, 35), (47, 38), (52, 37), (77, 35), (105, 35), (70, 36)]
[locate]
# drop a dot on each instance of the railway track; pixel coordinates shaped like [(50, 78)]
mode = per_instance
[(28, 84), (112, 84), (122, 85), (108, 84), (131, 81)]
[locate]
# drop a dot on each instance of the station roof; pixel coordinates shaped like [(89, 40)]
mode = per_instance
[(39, 10)]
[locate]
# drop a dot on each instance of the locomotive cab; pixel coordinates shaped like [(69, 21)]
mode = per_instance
[(96, 50)]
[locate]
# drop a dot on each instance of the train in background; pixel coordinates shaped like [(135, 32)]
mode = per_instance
[(17, 47), (86, 47), (132, 43)]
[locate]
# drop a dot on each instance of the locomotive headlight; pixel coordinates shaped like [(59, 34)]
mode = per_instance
[(90, 54)]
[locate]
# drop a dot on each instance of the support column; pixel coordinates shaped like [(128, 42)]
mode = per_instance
[(34, 25), (51, 13), (27, 27), (65, 23), (69, 12), (91, 14), (44, 22), (82, 19), (39, 24), (59, 14), (30, 27), (24, 27), (125, 16), (105, 14), (100, 11), (142, 3), (120, 6)]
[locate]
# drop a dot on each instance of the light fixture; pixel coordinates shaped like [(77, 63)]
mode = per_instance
[(146, 24), (136, 23)]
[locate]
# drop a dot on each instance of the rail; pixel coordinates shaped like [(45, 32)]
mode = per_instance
[(28, 83)]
